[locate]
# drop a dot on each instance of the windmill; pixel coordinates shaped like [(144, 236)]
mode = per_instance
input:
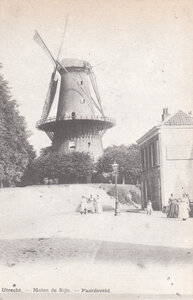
[(79, 123)]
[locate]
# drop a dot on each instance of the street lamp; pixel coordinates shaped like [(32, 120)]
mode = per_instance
[(115, 172)]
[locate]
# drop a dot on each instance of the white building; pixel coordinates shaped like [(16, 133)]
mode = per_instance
[(167, 159)]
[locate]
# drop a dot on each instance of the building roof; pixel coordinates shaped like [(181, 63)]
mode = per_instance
[(179, 118)]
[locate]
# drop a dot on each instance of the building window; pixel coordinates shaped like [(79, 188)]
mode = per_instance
[(151, 155), (143, 159), (146, 158), (156, 152)]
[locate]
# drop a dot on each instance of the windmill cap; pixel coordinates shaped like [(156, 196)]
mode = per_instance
[(74, 63)]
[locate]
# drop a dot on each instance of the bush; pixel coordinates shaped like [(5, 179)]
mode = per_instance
[(67, 167), (136, 197), (126, 196)]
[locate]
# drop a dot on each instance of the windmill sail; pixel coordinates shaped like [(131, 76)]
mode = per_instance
[(41, 43), (50, 96), (95, 87)]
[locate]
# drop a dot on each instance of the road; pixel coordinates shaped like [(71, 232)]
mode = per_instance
[(130, 253)]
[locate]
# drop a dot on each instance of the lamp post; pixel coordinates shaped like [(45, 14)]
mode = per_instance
[(115, 172)]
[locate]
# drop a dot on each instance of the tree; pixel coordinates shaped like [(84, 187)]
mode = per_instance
[(15, 151), (68, 168), (46, 150), (128, 159)]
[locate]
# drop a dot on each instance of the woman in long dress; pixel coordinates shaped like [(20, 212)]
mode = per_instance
[(184, 208), (99, 205), (173, 207), (83, 206)]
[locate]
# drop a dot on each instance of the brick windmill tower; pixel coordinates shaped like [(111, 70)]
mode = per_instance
[(79, 123)]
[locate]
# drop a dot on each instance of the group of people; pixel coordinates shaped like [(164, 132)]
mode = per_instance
[(50, 181), (179, 208), (91, 205)]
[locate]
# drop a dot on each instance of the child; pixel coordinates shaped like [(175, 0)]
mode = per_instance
[(149, 207)]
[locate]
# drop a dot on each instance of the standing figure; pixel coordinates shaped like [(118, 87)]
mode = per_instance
[(149, 207), (173, 207), (95, 205), (90, 204), (99, 205), (83, 206), (184, 208)]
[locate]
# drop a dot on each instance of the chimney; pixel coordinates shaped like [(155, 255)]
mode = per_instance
[(165, 113)]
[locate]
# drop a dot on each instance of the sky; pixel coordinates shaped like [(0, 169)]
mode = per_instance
[(141, 50)]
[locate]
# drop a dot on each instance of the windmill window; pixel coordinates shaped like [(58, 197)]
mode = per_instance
[(72, 145), (89, 144), (81, 82), (73, 115), (82, 101)]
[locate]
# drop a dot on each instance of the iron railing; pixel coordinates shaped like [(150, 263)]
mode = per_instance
[(76, 117)]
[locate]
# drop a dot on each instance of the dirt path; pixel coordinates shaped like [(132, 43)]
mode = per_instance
[(45, 244)]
